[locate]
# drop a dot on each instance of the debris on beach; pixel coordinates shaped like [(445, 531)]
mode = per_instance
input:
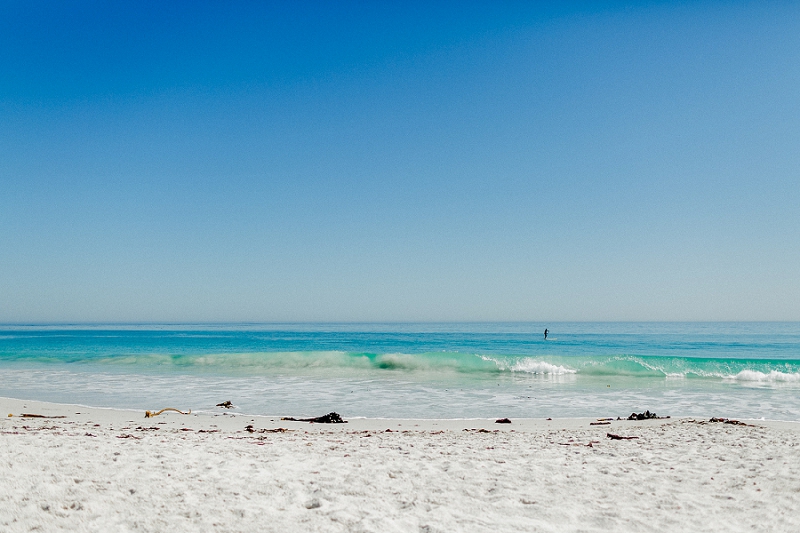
[(599, 423), (227, 404), (250, 429), (573, 443), (502, 421), (728, 421), (330, 418), (150, 414), (29, 415), (619, 437), (644, 416)]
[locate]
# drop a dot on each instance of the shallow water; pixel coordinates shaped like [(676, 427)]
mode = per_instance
[(748, 370)]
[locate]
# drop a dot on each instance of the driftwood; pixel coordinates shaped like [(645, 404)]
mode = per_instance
[(150, 414), (618, 437), (29, 415), (330, 418), (502, 421)]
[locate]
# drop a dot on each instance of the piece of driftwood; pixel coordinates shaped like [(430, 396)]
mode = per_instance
[(30, 415), (619, 437), (599, 423), (150, 414), (502, 421), (330, 418)]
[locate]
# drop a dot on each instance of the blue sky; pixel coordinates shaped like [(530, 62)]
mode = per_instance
[(300, 161)]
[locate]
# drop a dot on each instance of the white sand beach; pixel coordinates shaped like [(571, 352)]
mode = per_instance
[(114, 470)]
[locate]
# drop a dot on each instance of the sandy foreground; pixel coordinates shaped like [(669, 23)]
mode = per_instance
[(113, 470)]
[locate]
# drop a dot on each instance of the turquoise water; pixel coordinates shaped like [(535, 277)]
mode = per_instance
[(414, 370)]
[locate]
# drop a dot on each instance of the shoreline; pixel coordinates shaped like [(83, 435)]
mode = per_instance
[(232, 418), (102, 469)]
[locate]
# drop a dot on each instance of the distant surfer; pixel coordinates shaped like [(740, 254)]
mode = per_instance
[(545, 333)]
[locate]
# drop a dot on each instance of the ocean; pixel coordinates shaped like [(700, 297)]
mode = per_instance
[(736, 370)]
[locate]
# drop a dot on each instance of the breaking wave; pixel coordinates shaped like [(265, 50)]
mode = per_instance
[(433, 364)]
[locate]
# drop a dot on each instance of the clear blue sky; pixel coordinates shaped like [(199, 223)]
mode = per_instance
[(293, 161)]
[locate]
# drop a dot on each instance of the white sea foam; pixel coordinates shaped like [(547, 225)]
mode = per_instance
[(531, 366), (773, 376)]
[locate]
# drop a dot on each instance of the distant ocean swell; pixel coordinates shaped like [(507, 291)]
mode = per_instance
[(432, 364)]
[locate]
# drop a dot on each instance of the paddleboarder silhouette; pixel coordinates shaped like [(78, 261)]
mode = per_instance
[(545, 333)]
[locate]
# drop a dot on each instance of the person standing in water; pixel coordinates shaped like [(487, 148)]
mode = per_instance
[(545, 333)]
